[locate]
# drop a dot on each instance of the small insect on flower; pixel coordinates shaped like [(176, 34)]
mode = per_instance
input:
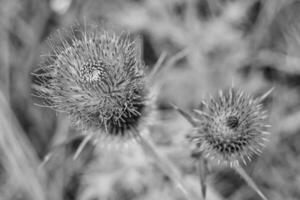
[(97, 78), (231, 127)]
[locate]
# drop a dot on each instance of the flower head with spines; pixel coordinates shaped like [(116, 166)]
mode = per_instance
[(97, 78), (230, 128)]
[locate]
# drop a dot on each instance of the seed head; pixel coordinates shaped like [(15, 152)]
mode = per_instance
[(97, 78), (231, 127)]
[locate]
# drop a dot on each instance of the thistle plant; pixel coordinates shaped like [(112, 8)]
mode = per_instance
[(230, 128), (98, 80)]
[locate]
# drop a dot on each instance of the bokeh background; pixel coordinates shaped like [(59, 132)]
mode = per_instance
[(207, 45)]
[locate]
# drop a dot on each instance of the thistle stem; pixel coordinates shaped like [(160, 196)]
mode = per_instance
[(157, 67), (82, 145), (186, 115), (168, 64), (202, 172), (249, 181), (57, 147), (165, 164), (264, 96)]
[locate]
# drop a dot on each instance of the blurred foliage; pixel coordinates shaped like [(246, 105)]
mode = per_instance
[(252, 44)]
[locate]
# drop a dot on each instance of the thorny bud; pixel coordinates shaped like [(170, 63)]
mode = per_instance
[(231, 127), (97, 78)]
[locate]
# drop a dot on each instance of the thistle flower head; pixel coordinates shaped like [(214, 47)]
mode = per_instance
[(231, 127), (97, 78)]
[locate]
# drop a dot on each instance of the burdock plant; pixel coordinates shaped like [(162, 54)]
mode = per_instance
[(96, 77), (230, 128)]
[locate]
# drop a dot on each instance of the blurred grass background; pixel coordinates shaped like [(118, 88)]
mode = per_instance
[(253, 44)]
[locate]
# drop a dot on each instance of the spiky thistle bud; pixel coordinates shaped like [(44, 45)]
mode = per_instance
[(231, 127), (97, 78)]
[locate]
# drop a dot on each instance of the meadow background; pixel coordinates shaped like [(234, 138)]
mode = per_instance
[(208, 45)]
